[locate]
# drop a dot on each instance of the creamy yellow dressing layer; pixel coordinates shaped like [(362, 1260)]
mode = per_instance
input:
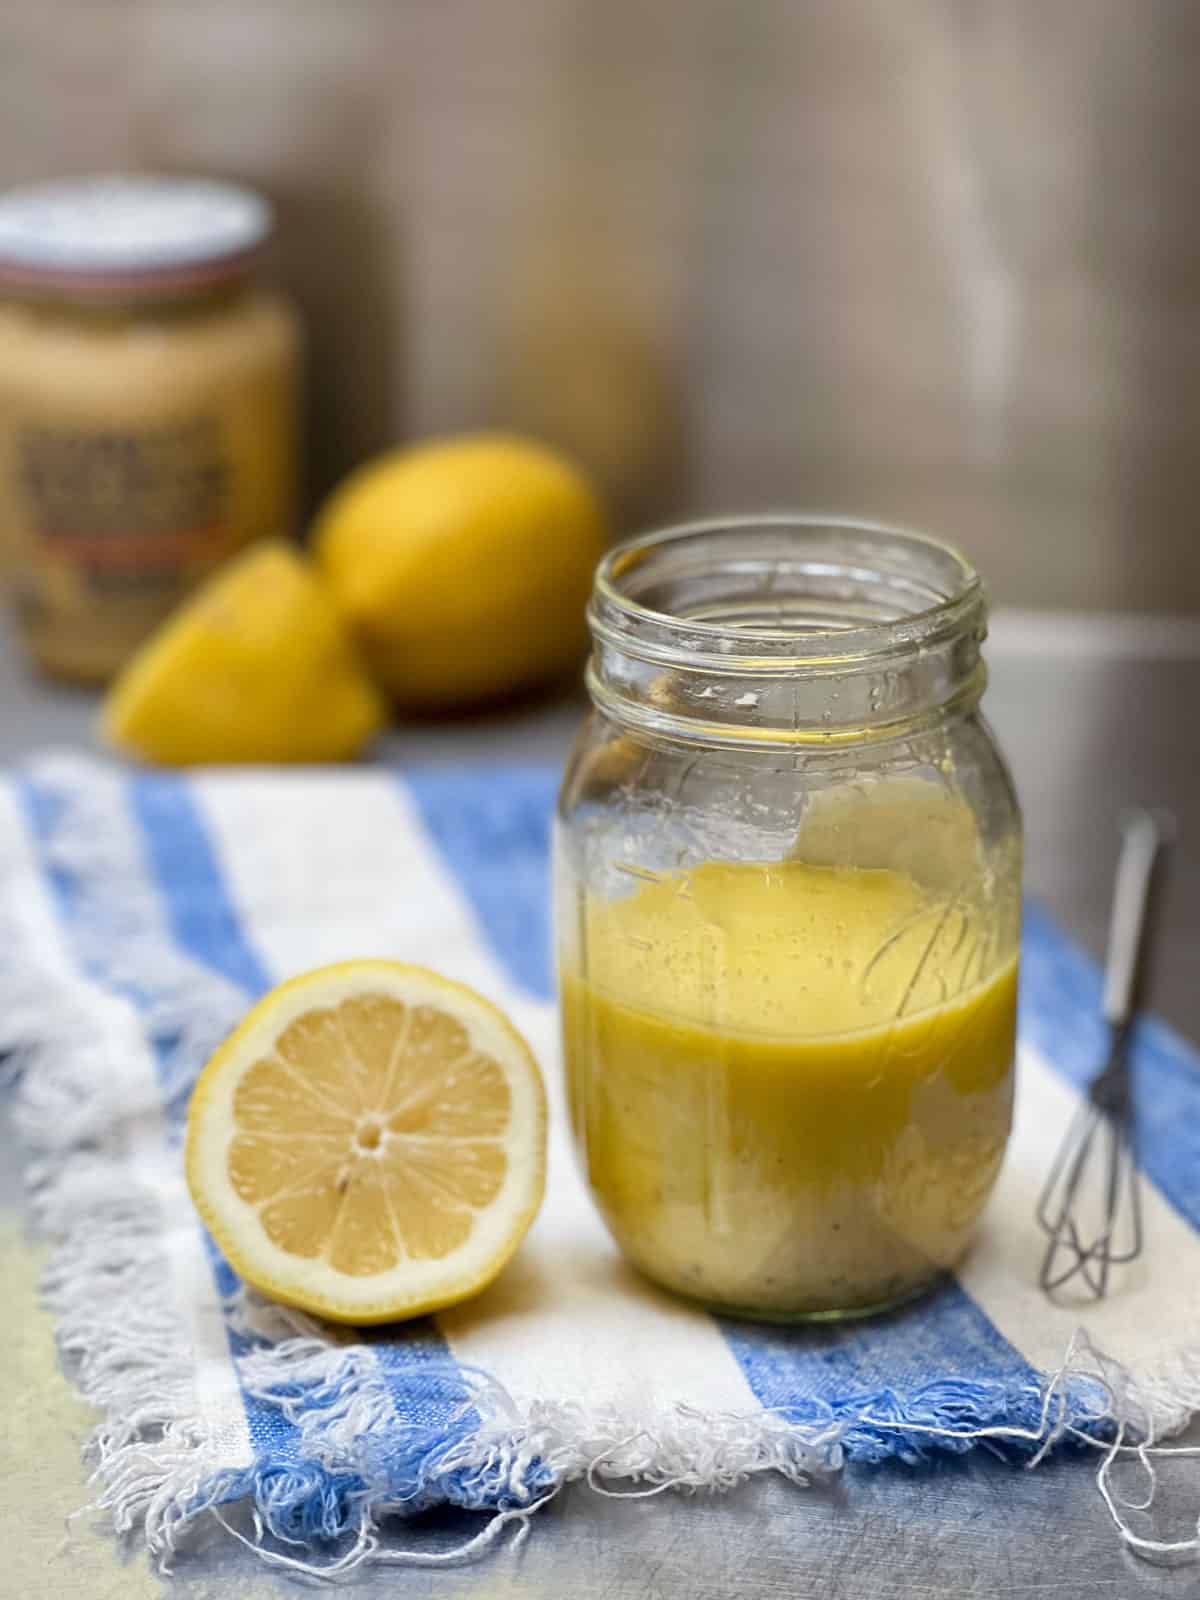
[(791, 1084)]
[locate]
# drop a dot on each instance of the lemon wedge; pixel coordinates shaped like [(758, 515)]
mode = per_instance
[(257, 666), (370, 1143)]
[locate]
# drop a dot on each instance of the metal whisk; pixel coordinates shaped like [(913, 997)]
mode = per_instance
[(1091, 1206)]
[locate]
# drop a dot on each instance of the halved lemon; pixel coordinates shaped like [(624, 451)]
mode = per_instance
[(370, 1143)]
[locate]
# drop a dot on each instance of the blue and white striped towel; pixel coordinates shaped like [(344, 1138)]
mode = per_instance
[(139, 917)]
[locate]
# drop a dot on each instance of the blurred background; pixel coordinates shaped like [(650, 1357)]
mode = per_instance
[(934, 260)]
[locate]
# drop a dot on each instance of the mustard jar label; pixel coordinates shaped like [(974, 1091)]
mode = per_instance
[(126, 509)]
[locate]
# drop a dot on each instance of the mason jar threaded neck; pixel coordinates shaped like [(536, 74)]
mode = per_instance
[(784, 629)]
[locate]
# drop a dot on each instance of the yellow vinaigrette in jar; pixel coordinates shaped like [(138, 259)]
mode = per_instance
[(791, 1084), (788, 873)]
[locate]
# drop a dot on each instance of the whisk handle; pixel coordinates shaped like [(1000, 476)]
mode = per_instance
[(1143, 836)]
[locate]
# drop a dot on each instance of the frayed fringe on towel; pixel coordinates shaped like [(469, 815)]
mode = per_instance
[(105, 1183)]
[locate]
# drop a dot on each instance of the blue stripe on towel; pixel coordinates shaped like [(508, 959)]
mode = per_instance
[(184, 863), (493, 829), (951, 1336), (882, 1366)]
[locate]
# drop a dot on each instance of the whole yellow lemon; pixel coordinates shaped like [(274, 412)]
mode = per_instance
[(463, 566)]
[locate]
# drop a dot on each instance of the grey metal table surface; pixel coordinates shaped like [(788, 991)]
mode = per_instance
[(1095, 714)]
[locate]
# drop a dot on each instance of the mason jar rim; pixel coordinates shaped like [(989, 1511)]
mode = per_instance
[(618, 616)]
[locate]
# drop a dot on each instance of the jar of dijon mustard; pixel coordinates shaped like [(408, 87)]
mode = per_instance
[(148, 405)]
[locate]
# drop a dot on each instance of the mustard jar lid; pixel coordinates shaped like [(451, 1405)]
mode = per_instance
[(112, 235)]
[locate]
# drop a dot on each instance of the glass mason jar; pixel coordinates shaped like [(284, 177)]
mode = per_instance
[(788, 864)]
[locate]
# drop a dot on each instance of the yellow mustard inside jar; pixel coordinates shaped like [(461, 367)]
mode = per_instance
[(148, 405), (788, 861)]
